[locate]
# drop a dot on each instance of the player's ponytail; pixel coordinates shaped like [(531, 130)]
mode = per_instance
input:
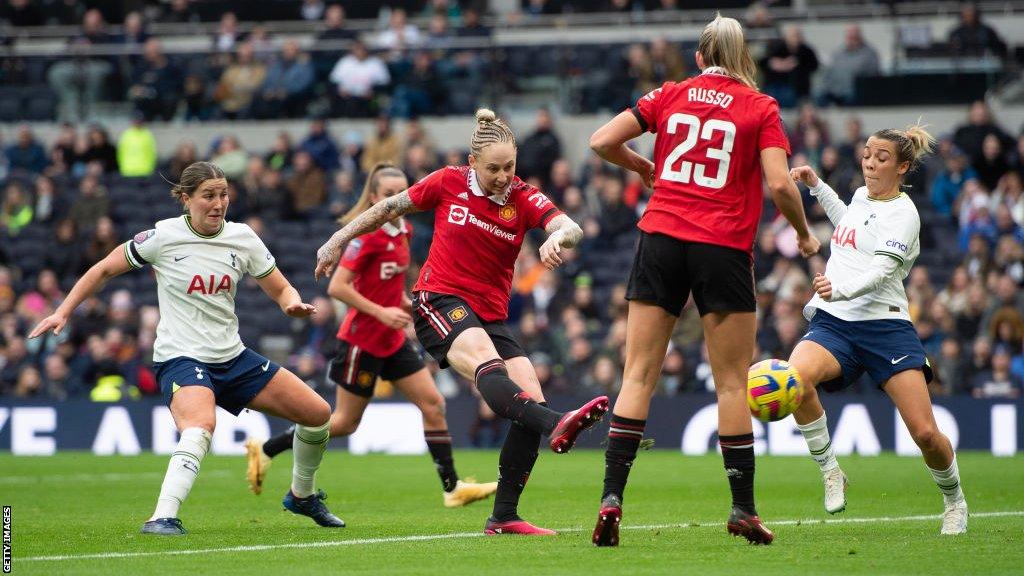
[(489, 130), (192, 178), (721, 45), (380, 170), (912, 143)]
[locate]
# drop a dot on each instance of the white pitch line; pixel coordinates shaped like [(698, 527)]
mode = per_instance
[(427, 537), (105, 477)]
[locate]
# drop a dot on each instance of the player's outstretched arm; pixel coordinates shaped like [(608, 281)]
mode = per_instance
[(285, 295), (835, 209), (562, 233), (327, 256), (115, 264), (609, 142), (787, 198)]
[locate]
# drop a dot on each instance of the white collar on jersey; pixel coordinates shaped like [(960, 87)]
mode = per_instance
[(718, 70), (478, 191), (392, 230)]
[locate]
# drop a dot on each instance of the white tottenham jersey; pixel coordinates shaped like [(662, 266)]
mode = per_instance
[(870, 227), (196, 276)]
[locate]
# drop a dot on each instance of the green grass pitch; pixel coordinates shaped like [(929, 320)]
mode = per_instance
[(79, 514)]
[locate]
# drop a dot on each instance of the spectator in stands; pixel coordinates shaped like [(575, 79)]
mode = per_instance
[(1010, 193), (954, 296), (997, 382), (134, 33), (334, 25), (239, 83), (439, 34), (264, 49), (788, 66), (280, 155), (27, 153), (399, 35), (420, 90), (91, 205), (99, 150), (79, 81), (307, 187), (617, 219), (63, 251), (949, 183), (949, 369), (539, 150), (853, 60), (852, 143), (639, 71), (991, 164), (384, 146), (667, 63), (356, 76), (268, 199), (472, 26), (288, 86), (15, 210), (179, 12), (156, 84), (184, 154), (136, 150), (971, 37), (231, 157), (227, 33), (971, 136), (318, 144), (20, 13), (104, 240)]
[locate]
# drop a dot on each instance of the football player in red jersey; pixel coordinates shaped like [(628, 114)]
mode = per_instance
[(481, 214), (715, 135), (371, 280)]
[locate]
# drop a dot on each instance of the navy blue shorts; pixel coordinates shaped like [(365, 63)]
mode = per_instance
[(234, 383), (881, 348)]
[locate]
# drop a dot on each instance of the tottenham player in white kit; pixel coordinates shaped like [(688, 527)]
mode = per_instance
[(859, 320), (200, 361)]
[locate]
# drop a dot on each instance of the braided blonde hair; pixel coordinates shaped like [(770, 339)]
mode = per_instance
[(489, 130)]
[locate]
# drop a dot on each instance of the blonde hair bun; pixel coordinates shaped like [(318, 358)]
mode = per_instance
[(485, 115)]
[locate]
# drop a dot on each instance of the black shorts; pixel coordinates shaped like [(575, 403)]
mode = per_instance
[(356, 370), (666, 270), (440, 318)]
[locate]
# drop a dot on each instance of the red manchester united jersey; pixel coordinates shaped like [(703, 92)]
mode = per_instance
[(379, 260), (476, 237), (709, 131)]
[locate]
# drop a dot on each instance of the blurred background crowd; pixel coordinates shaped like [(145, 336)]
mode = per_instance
[(68, 199)]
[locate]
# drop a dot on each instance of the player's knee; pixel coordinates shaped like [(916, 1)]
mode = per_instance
[(928, 438), (434, 408), (317, 415), (343, 425)]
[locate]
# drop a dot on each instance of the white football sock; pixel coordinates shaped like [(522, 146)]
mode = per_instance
[(819, 443), (308, 447), (948, 481), (182, 471)]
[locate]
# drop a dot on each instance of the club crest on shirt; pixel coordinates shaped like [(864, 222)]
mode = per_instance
[(353, 249), (507, 212), (143, 236), (457, 314)]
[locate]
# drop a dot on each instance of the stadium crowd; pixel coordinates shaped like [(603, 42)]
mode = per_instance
[(67, 202)]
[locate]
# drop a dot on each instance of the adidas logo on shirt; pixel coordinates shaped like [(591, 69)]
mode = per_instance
[(391, 245), (464, 196)]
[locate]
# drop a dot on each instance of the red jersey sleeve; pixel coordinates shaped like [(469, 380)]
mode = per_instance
[(357, 254), (426, 193), (773, 133), (647, 109), (539, 210)]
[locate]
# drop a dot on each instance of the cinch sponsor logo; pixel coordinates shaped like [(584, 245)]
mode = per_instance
[(488, 227), (896, 244)]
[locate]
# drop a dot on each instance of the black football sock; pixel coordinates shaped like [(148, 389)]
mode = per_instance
[(738, 454), (518, 454), (279, 443), (439, 442), (509, 401), (624, 438)]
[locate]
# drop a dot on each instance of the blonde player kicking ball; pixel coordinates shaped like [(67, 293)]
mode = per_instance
[(200, 361), (859, 320), (371, 280)]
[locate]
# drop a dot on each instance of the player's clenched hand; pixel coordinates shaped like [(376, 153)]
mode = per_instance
[(646, 172), (808, 246), (406, 303), (300, 310), (804, 175), (326, 259), (822, 286), (394, 317), (550, 250), (54, 322)]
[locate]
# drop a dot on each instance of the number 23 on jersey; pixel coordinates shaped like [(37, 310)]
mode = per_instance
[(686, 168)]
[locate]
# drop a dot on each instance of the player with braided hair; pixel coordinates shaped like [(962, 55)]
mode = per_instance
[(482, 213)]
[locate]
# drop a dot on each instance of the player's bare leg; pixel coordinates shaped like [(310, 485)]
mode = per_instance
[(909, 392), (815, 364)]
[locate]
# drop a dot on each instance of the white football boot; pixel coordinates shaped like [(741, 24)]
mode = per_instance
[(954, 519), (835, 490)]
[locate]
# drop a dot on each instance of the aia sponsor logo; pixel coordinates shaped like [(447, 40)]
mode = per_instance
[(209, 286), (844, 236)]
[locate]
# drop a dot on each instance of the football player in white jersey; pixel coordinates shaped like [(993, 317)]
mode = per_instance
[(200, 361), (858, 316)]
